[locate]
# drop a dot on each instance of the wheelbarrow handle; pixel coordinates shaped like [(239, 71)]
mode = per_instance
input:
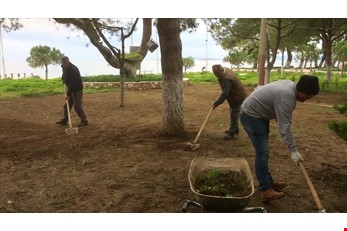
[(188, 203)]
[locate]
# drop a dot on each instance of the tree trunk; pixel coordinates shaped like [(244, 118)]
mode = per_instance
[(289, 58), (301, 64), (172, 69), (262, 52), (328, 59), (282, 65), (131, 68), (267, 75), (273, 50), (321, 63), (342, 67), (46, 67), (269, 67), (316, 63)]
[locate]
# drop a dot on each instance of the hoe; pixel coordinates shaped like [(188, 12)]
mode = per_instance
[(69, 130)]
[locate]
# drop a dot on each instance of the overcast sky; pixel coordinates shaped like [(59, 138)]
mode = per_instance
[(41, 31), (38, 30)]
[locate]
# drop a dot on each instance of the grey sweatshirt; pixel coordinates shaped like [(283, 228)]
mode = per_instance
[(275, 100)]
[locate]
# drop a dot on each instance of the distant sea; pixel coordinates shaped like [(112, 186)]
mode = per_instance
[(154, 66), (102, 68)]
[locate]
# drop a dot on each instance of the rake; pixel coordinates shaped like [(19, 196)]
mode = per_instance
[(192, 146)]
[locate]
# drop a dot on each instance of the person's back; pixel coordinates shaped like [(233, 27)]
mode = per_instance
[(271, 98), (234, 92), (238, 92), (72, 78)]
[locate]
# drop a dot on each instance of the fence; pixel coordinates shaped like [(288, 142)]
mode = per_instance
[(24, 75)]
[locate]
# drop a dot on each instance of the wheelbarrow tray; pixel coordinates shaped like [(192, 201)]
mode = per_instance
[(220, 203)]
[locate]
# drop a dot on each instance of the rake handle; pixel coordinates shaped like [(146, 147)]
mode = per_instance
[(67, 106), (310, 185), (203, 125)]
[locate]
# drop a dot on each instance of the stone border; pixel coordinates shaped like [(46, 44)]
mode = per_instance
[(142, 85)]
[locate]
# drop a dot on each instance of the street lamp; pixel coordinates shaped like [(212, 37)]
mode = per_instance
[(2, 66), (206, 46)]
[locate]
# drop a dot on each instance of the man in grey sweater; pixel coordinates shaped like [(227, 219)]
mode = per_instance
[(276, 100)]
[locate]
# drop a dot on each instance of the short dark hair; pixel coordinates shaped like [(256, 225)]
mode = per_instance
[(216, 68), (65, 58), (308, 84)]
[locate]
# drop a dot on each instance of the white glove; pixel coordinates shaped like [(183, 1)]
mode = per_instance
[(296, 157)]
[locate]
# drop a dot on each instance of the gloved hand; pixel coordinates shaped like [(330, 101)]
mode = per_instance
[(296, 157), (214, 105)]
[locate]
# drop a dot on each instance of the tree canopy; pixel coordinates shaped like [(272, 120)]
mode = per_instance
[(282, 34), (42, 56), (188, 62)]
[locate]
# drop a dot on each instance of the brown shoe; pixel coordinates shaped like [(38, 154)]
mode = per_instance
[(278, 185), (270, 194)]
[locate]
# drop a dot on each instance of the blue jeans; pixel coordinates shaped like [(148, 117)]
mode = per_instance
[(258, 131)]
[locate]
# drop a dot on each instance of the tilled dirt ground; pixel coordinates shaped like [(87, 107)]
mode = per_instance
[(119, 164)]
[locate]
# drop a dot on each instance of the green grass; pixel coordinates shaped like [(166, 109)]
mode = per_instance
[(35, 86), (340, 128), (29, 87), (337, 85), (115, 78)]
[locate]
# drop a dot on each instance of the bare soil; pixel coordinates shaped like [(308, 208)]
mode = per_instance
[(119, 163)]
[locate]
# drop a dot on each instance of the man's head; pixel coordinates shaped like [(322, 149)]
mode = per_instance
[(218, 70), (307, 87), (65, 62)]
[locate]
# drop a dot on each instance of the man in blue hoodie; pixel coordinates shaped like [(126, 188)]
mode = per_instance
[(276, 100), (72, 78)]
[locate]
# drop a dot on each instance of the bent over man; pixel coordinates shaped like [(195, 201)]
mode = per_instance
[(72, 78), (232, 91), (276, 100)]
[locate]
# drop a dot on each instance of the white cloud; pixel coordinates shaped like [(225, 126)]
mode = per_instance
[(17, 46)]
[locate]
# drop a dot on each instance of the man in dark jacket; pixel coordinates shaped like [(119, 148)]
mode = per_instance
[(72, 78), (232, 91)]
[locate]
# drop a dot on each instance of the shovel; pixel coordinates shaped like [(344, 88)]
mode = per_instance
[(69, 130), (193, 146), (313, 191)]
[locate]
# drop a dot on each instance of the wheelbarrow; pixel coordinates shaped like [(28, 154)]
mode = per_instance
[(213, 203)]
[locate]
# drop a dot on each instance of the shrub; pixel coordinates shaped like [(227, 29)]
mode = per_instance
[(339, 128)]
